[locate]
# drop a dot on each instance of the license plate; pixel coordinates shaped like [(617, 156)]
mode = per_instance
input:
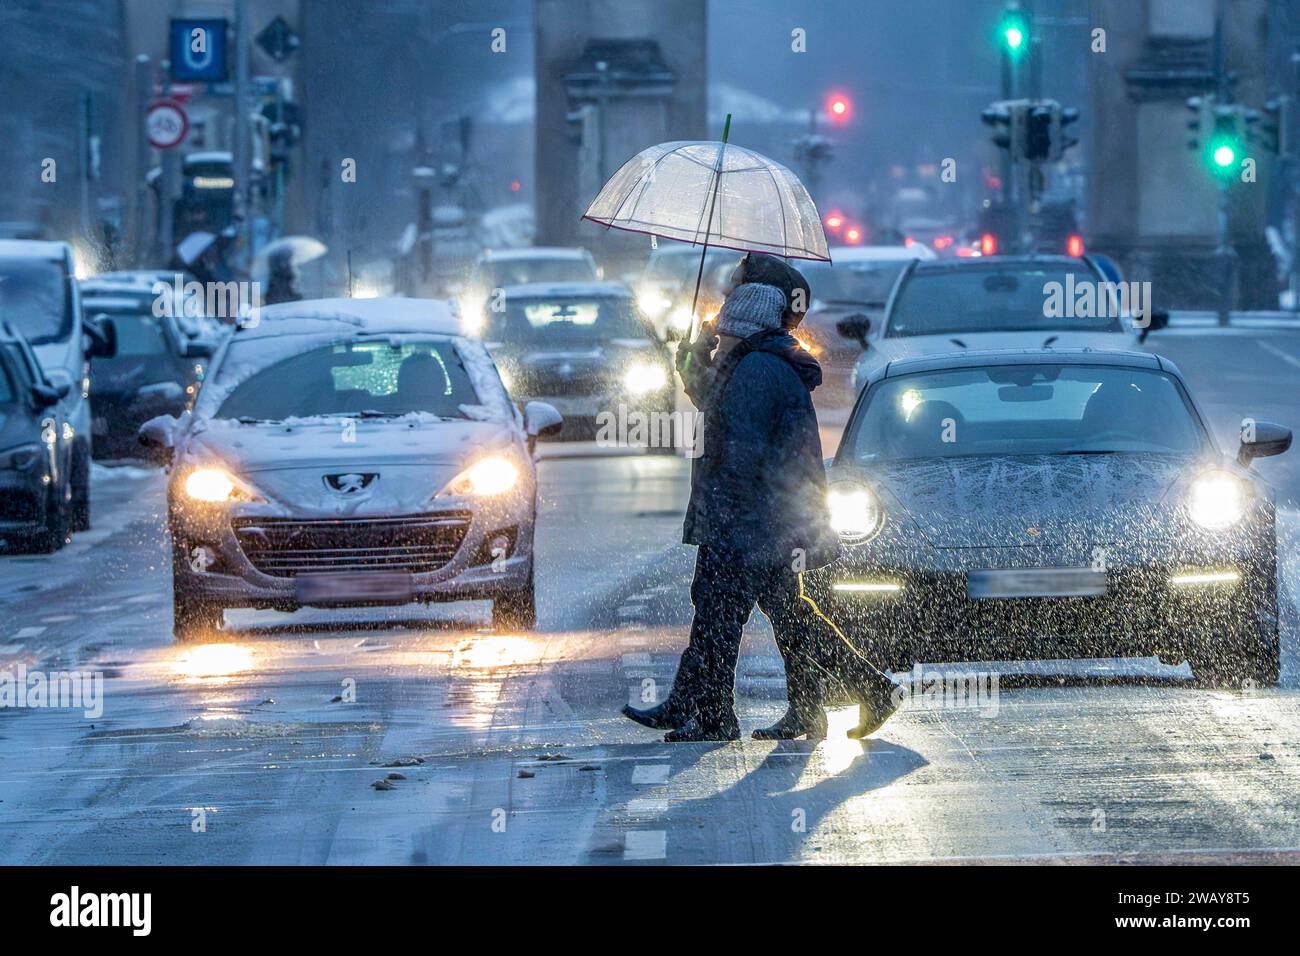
[(1035, 582), (343, 588)]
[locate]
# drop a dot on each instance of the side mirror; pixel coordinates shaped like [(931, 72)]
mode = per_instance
[(1262, 440), (541, 420), (855, 328), (158, 436), (1156, 320), (43, 395), (101, 336)]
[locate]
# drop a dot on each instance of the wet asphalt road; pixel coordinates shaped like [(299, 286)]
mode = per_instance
[(511, 745)]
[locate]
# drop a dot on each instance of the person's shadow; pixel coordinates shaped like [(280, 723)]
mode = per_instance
[(761, 818)]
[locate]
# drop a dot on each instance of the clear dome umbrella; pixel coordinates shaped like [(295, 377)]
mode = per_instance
[(713, 194)]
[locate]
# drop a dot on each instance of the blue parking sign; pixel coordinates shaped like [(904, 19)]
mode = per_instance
[(198, 50)]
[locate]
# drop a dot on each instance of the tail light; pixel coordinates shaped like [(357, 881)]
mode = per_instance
[(1074, 246), (988, 244)]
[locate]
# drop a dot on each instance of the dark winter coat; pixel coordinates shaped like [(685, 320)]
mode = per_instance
[(758, 490)]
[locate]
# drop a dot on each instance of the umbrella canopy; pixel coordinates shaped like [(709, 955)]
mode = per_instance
[(716, 194), (194, 245), (300, 249)]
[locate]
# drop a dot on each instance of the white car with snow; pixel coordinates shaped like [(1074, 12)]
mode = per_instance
[(349, 452), (995, 302)]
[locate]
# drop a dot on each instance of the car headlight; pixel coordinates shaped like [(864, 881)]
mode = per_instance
[(494, 475), (643, 377), (681, 318), (216, 485), (855, 511), (21, 458), (653, 302), (1216, 500)]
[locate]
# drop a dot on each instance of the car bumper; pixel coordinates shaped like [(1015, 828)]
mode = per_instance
[(933, 617), (248, 557)]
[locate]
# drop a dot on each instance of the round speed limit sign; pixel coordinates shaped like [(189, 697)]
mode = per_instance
[(166, 124)]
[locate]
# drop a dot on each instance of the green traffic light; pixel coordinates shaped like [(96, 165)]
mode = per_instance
[(1014, 31), (1224, 156)]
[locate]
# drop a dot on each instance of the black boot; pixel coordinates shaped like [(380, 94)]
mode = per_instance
[(876, 704), (700, 728), (671, 713), (795, 722)]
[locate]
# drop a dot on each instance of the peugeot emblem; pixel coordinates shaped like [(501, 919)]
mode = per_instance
[(351, 482)]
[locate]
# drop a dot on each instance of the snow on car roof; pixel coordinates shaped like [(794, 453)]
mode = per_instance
[(534, 252), (31, 249), (388, 314), (974, 358), (573, 290)]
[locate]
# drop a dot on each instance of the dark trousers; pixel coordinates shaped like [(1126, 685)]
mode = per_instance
[(724, 592)]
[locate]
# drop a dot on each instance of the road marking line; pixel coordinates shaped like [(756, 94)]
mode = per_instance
[(636, 659), (647, 807), (1274, 350), (58, 618), (651, 773), (141, 598), (645, 845), (101, 610), (28, 632)]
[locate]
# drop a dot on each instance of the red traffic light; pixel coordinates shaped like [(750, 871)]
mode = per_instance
[(838, 107)]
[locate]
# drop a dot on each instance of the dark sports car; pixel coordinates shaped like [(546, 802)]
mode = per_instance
[(1072, 503)]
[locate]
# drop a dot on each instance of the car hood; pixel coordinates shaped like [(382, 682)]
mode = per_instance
[(410, 458), (1030, 500)]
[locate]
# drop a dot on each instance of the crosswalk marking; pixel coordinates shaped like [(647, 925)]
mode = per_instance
[(650, 773), (645, 845)]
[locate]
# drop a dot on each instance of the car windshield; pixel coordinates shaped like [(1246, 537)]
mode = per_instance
[(681, 265), (378, 379), (992, 299), (34, 296), (503, 272), (859, 282), (562, 321), (1024, 410)]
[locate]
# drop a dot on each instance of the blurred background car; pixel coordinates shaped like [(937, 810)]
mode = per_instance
[(584, 348), (35, 451), (155, 371), (993, 302)]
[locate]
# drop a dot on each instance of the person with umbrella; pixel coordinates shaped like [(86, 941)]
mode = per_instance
[(757, 510), (758, 516)]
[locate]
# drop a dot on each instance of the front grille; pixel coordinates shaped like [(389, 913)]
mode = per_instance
[(544, 383), (285, 547)]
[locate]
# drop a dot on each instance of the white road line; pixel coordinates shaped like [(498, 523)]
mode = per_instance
[(636, 659), (647, 807), (1274, 350), (141, 598), (645, 845), (650, 773), (28, 632), (58, 618)]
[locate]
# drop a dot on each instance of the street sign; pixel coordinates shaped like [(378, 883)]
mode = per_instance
[(198, 50), (278, 40), (166, 124)]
